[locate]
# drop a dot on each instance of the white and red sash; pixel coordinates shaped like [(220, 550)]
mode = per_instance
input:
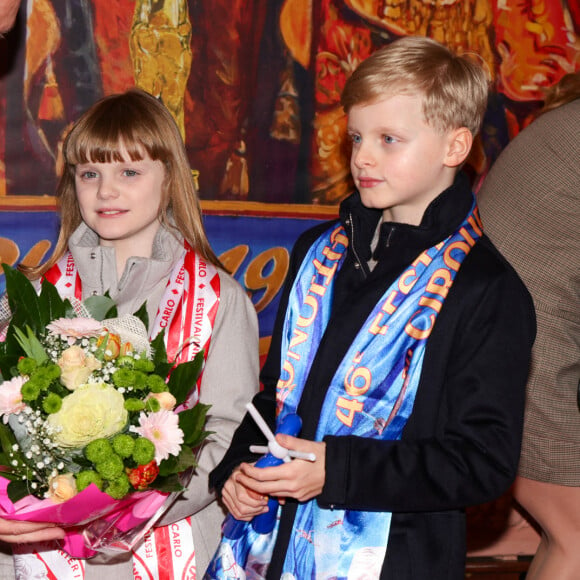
[(187, 313), (188, 309)]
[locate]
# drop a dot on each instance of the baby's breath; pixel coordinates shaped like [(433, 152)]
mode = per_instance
[(37, 458)]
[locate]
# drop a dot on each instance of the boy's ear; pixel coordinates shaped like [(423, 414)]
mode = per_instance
[(460, 142)]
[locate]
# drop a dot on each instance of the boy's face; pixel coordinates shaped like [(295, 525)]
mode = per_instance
[(399, 163)]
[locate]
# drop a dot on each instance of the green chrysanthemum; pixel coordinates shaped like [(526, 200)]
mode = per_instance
[(125, 362), (118, 487), (134, 405), (42, 377), (26, 366), (98, 450), (52, 403), (140, 380), (85, 478), (123, 445), (111, 467), (53, 371), (156, 384), (123, 378), (144, 365), (30, 391), (144, 451)]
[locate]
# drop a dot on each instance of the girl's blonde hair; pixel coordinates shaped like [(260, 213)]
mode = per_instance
[(139, 124), (454, 88)]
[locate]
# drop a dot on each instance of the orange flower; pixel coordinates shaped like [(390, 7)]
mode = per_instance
[(144, 475), (113, 347), (126, 349)]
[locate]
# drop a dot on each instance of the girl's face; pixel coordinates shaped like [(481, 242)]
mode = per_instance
[(120, 201)]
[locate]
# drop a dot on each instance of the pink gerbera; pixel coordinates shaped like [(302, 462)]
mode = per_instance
[(162, 429), (11, 397), (71, 329)]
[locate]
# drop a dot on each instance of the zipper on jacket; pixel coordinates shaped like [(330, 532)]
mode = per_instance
[(358, 263), (391, 232)]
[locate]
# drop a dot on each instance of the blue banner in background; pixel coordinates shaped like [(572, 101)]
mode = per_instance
[(255, 249)]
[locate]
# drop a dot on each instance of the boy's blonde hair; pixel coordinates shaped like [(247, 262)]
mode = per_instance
[(138, 123), (454, 88)]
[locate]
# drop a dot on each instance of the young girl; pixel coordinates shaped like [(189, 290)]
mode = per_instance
[(131, 225)]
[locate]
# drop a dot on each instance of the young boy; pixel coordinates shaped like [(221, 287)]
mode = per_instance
[(403, 342)]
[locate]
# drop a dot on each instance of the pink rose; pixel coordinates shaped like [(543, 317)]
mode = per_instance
[(76, 367), (166, 400), (62, 488)]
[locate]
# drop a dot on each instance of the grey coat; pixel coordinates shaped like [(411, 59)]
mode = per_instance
[(226, 387)]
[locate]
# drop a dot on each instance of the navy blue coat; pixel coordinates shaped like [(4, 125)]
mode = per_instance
[(461, 444)]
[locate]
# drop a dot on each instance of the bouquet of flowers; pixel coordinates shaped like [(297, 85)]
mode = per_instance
[(94, 433)]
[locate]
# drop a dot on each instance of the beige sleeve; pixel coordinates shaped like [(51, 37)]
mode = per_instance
[(229, 382)]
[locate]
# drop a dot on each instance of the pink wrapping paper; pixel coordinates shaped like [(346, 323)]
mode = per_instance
[(91, 505)]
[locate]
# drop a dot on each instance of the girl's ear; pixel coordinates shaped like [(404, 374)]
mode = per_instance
[(459, 146)]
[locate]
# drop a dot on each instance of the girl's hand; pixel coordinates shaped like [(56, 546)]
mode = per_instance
[(14, 532), (241, 501), (299, 479)]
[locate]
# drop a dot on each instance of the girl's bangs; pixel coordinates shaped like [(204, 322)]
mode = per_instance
[(97, 146)]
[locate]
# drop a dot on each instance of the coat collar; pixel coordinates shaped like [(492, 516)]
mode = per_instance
[(441, 218), (142, 276)]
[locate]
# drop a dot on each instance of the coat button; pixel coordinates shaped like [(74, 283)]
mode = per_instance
[(93, 255), (357, 266)]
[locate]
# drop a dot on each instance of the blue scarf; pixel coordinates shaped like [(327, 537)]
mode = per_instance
[(371, 395)]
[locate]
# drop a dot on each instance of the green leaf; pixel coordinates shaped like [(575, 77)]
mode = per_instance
[(159, 358), (69, 310), (159, 351), (7, 442), (17, 490), (175, 465), (7, 439), (143, 315), (31, 345), (183, 377), (5, 471), (99, 306), (28, 310), (51, 305), (10, 352), (167, 484), (112, 312), (23, 300), (100, 352), (192, 423)]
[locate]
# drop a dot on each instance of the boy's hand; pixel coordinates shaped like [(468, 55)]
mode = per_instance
[(14, 532), (299, 479), (241, 501)]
